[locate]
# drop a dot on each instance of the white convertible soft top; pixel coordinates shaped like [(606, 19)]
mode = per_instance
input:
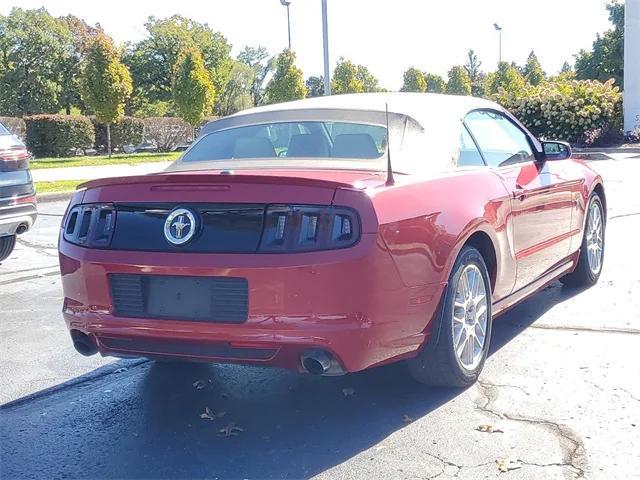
[(424, 127)]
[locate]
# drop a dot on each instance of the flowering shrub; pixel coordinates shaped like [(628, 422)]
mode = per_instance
[(570, 110)]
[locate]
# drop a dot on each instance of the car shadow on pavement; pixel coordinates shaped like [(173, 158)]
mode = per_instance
[(146, 422)]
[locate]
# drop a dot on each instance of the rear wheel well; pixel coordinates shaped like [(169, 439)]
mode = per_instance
[(599, 189), (482, 242)]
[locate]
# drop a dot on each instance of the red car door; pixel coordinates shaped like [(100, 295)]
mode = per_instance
[(542, 203)]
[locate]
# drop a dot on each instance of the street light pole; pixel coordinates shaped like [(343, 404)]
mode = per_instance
[(286, 3), (325, 44), (499, 29)]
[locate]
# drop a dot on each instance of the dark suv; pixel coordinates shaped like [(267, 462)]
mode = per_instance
[(17, 195)]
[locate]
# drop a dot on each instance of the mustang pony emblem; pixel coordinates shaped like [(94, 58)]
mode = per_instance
[(180, 226)]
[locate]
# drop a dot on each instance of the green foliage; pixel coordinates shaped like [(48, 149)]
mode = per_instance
[(237, 94), (315, 86), (151, 60), (473, 68), (287, 82), (414, 81), (369, 82), (193, 90), (606, 58), (506, 83), (82, 35), (124, 131), (435, 83), (33, 49), (568, 109), (351, 78), (58, 135), (533, 72), (345, 78), (106, 82), (459, 82)]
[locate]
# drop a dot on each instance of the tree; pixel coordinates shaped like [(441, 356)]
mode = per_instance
[(82, 34), (506, 82), (414, 81), (459, 82), (193, 90), (33, 48), (475, 74), (473, 65), (345, 78), (237, 94), (287, 82), (435, 83), (106, 82), (532, 71), (369, 82), (151, 60), (258, 59), (566, 68), (315, 86), (606, 58)]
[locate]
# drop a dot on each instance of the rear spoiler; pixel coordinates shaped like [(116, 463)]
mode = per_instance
[(209, 180)]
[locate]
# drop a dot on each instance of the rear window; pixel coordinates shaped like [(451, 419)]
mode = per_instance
[(18, 177), (292, 140)]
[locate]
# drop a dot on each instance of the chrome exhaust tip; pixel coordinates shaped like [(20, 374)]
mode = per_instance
[(320, 362), (83, 343)]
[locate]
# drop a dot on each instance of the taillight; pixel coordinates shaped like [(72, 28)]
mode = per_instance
[(90, 225), (299, 228)]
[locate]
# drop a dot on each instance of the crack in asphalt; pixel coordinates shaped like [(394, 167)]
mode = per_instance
[(629, 393), (39, 248), (575, 457), (29, 277)]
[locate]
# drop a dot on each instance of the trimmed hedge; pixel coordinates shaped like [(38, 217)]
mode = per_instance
[(58, 135), (15, 125), (571, 110), (127, 130)]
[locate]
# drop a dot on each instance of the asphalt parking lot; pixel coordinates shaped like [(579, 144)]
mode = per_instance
[(559, 396)]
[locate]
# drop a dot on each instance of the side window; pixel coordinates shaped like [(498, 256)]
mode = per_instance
[(469, 154), (501, 142)]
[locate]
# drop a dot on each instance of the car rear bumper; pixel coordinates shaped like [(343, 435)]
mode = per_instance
[(17, 218), (350, 303)]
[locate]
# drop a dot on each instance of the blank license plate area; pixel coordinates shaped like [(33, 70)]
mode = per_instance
[(175, 297), (206, 299)]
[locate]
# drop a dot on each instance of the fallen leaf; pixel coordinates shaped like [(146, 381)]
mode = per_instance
[(201, 384), (120, 370), (349, 391), (231, 430), (208, 414), (506, 465), (407, 419), (488, 429)]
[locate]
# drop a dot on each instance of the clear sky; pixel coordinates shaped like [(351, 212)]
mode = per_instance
[(385, 35)]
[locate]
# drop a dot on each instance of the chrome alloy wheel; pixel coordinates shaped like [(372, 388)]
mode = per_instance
[(595, 238), (470, 317)]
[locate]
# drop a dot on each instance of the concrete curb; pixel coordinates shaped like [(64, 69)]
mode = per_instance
[(54, 197)]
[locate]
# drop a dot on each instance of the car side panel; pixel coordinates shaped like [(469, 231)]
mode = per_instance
[(426, 223)]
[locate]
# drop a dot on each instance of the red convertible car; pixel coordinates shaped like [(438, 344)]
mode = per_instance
[(331, 235)]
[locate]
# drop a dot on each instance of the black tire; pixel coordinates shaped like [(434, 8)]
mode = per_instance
[(437, 364), (583, 276), (6, 246)]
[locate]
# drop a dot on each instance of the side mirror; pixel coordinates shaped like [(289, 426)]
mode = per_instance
[(556, 150)]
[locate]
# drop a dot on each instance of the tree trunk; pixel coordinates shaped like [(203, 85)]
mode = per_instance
[(109, 139)]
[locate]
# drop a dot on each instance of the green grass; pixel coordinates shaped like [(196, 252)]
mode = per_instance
[(116, 159), (58, 186)]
